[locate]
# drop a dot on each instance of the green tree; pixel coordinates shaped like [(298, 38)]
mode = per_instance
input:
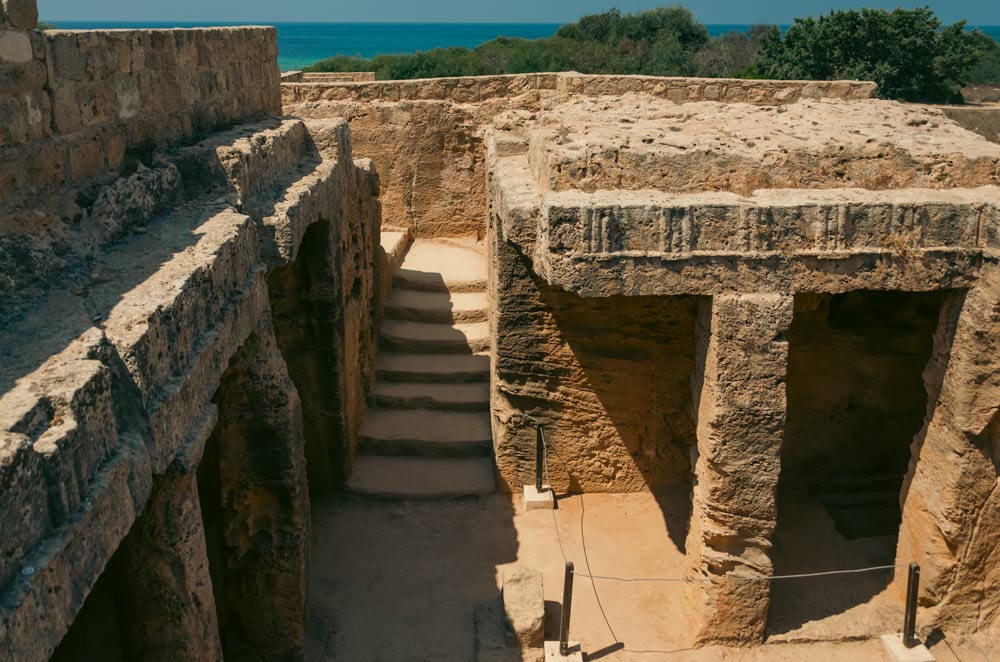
[(906, 52), (987, 70)]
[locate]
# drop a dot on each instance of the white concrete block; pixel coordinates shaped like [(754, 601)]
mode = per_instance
[(899, 653), (535, 500), (552, 652)]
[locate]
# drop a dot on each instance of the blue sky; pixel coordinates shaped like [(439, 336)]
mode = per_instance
[(979, 12)]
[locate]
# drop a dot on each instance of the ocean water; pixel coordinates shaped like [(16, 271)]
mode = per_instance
[(301, 44)]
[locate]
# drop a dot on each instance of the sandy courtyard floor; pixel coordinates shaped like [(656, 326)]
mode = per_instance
[(395, 581)]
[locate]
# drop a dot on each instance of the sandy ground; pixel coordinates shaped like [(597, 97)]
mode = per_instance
[(397, 581)]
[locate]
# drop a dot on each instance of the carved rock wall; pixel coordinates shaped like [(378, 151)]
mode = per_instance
[(609, 378)]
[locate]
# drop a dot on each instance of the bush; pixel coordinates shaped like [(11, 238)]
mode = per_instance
[(660, 41), (904, 51), (987, 69), (733, 53)]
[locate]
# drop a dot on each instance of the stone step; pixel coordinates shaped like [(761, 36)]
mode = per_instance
[(452, 265), (425, 433), (454, 397), (440, 307), (422, 477), (432, 368), (421, 337)]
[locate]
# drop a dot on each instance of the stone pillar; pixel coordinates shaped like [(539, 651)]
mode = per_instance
[(951, 496), (168, 611), (264, 500), (739, 398)]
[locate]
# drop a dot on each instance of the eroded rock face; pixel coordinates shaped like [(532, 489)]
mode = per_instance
[(739, 385), (580, 365), (263, 500), (427, 137), (634, 142)]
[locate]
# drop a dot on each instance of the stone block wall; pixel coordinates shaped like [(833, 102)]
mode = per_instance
[(79, 108), (426, 137)]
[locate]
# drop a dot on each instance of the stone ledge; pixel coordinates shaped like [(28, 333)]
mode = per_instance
[(473, 89)]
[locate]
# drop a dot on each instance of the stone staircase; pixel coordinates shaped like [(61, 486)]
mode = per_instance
[(427, 431)]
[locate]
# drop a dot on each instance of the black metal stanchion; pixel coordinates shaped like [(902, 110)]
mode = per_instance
[(567, 604), (910, 615), (539, 457)]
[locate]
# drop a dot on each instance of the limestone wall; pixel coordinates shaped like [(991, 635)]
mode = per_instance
[(79, 108), (142, 323), (426, 137)]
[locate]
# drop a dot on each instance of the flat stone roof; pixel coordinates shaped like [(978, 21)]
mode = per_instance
[(638, 141)]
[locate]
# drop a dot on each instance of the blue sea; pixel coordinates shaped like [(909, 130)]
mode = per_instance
[(301, 44)]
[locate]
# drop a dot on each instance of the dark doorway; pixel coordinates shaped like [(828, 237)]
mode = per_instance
[(856, 398)]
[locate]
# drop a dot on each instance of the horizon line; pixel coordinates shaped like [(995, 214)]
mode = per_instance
[(325, 22)]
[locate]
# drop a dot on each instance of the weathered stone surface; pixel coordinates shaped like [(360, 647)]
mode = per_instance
[(15, 47), (739, 399), (949, 499), (524, 605), (125, 321), (22, 14), (264, 499), (578, 364), (426, 136), (164, 574), (707, 146)]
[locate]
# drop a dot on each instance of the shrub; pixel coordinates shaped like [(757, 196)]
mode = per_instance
[(987, 69), (906, 52)]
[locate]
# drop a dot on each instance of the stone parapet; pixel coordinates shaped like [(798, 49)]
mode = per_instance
[(473, 89)]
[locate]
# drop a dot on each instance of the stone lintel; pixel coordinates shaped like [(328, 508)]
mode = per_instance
[(739, 395)]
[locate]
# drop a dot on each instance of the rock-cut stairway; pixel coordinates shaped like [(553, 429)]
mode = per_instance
[(427, 430)]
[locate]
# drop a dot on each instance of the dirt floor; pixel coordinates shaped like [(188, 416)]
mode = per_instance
[(397, 581)]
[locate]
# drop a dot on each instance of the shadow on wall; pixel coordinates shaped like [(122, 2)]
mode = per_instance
[(611, 380)]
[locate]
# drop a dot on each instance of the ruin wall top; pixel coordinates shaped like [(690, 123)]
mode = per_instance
[(74, 103), (471, 89)]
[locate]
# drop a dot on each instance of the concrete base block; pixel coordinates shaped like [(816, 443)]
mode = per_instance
[(552, 652), (535, 500), (899, 653)]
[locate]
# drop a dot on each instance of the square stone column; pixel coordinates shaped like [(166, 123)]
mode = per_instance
[(168, 609), (951, 495), (739, 398)]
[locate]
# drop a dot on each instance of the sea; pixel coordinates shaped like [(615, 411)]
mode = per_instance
[(301, 44)]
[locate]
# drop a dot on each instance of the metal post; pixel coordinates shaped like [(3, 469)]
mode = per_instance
[(910, 613), (567, 604), (539, 457)]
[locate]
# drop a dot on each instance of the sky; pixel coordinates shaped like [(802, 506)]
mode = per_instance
[(978, 12)]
